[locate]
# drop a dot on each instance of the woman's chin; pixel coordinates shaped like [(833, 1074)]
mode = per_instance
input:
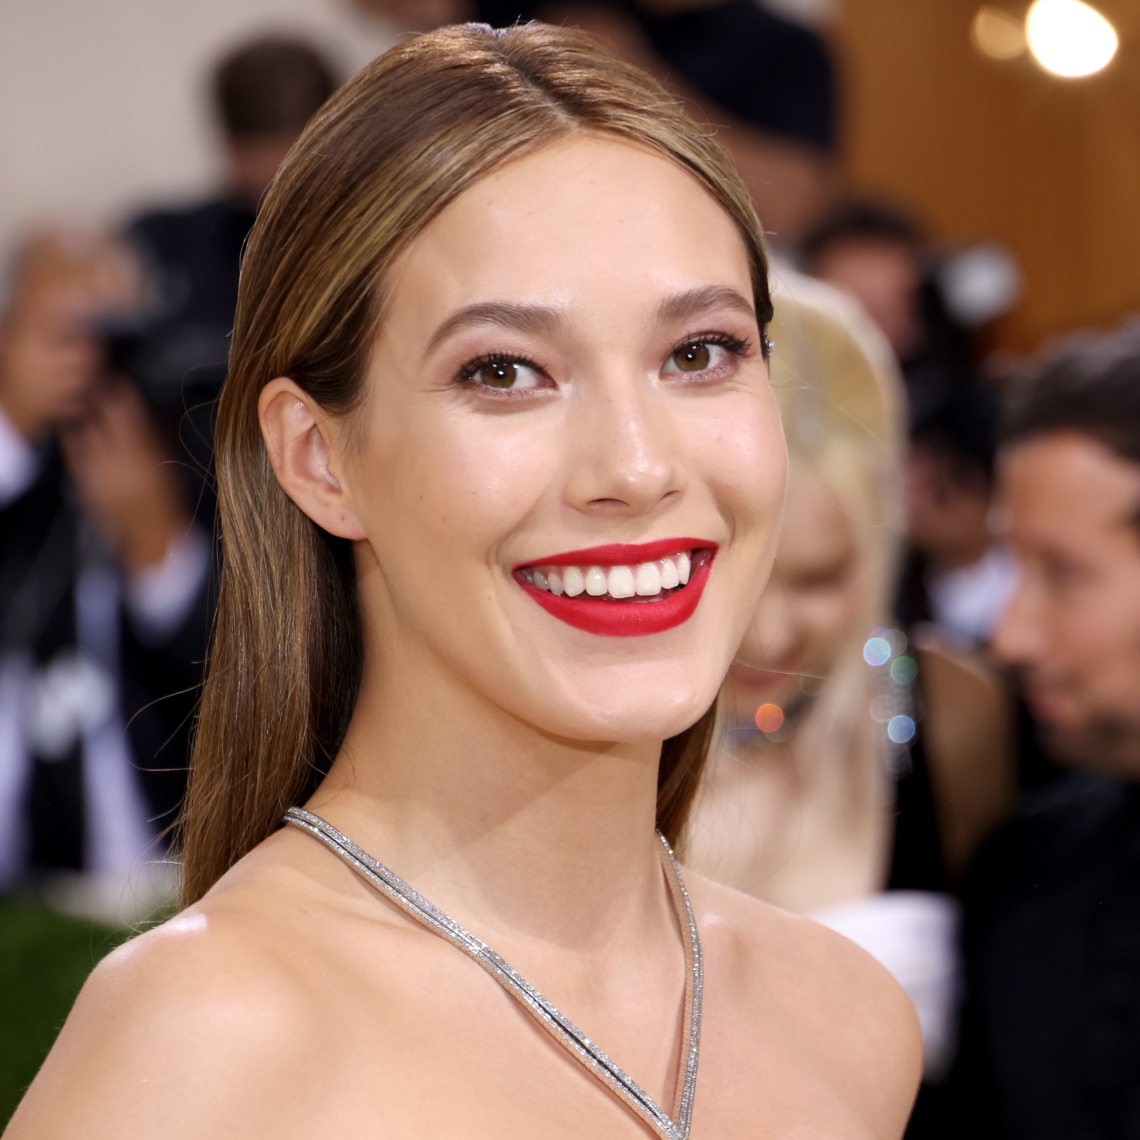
[(634, 714)]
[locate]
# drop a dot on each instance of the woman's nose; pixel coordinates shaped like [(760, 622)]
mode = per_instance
[(626, 452)]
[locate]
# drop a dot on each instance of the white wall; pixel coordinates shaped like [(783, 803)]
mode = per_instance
[(103, 103)]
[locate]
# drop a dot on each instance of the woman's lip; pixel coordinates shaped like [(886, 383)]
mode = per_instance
[(608, 617), (621, 554)]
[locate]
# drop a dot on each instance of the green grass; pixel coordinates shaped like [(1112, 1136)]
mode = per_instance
[(44, 960)]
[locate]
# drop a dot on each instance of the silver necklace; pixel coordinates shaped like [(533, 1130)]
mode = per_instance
[(560, 1027)]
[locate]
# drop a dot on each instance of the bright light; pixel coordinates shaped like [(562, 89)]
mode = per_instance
[(1069, 38), (900, 729), (769, 718), (997, 33), (877, 651)]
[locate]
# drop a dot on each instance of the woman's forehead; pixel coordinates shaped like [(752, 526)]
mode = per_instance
[(588, 215)]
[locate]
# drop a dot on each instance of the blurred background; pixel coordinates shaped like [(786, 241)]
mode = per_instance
[(949, 193)]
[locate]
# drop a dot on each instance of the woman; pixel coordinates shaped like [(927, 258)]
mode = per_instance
[(820, 798), (500, 475)]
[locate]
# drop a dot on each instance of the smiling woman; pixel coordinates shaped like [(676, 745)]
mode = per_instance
[(500, 479)]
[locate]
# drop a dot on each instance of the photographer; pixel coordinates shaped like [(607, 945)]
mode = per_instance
[(103, 607), (264, 93)]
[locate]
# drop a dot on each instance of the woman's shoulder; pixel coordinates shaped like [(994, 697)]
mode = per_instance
[(173, 1033), (196, 1025), (793, 980)]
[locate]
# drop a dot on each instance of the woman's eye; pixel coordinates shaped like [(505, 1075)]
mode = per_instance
[(505, 375), (698, 356)]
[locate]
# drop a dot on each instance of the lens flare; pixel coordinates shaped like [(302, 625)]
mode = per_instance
[(997, 33), (769, 718), (901, 729), (877, 651), (1070, 38)]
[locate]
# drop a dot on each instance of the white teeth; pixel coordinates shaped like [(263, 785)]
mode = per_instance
[(684, 565), (620, 582), (596, 584), (648, 581), (572, 581)]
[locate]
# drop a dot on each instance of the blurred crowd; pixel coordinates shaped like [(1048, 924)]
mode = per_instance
[(930, 739)]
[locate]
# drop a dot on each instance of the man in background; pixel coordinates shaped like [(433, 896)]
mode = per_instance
[(957, 575), (1053, 908), (103, 599), (264, 93), (874, 252)]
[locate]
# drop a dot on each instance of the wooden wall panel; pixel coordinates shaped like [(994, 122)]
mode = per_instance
[(984, 149)]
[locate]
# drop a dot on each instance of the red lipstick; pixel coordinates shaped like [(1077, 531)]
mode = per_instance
[(626, 617)]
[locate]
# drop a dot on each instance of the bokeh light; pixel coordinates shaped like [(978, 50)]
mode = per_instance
[(1070, 38), (900, 729), (904, 670), (769, 718), (895, 638), (997, 33), (877, 651)]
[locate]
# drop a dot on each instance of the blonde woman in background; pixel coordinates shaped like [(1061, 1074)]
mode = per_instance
[(820, 796)]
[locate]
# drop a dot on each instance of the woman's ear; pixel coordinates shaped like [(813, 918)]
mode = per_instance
[(300, 438)]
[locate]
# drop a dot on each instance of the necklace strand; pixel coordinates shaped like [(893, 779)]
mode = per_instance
[(560, 1027)]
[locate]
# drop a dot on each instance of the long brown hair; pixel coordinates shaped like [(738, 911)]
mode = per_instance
[(384, 157)]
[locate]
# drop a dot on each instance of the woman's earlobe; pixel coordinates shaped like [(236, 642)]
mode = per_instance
[(299, 438)]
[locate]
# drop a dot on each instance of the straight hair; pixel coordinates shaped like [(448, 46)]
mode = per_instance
[(389, 152)]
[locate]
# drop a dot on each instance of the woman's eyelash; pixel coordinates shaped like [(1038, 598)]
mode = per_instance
[(729, 343)]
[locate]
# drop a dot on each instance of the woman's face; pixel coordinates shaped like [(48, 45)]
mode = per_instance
[(567, 418), (808, 610)]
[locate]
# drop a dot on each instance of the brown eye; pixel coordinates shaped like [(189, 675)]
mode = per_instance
[(693, 357), (503, 375), (499, 375)]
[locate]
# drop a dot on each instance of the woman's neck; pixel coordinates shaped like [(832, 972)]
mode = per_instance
[(506, 829)]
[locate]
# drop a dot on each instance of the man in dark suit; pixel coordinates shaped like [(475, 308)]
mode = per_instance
[(103, 581), (1053, 907), (264, 92)]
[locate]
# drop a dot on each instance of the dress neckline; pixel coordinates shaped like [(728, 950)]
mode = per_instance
[(560, 1027)]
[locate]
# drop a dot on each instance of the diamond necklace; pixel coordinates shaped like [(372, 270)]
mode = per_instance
[(560, 1027)]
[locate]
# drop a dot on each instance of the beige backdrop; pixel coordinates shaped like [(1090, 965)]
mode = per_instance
[(102, 104)]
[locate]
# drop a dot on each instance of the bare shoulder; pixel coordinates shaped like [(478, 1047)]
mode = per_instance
[(184, 1030), (796, 979)]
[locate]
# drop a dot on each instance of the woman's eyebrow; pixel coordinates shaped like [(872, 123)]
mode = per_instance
[(700, 300), (506, 314)]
